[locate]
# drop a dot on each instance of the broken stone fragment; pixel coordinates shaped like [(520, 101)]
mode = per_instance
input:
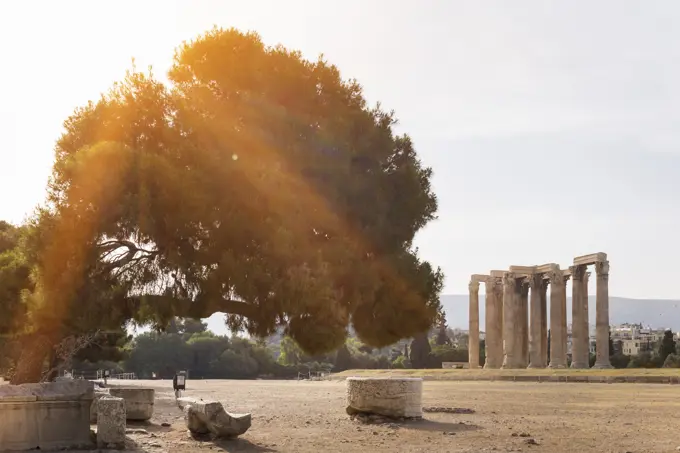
[(209, 417)]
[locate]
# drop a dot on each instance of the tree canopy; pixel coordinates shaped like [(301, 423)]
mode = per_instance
[(257, 184)]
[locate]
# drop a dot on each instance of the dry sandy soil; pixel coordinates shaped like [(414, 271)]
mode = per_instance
[(305, 417)]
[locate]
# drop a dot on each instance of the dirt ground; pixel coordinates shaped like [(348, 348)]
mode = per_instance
[(305, 417)]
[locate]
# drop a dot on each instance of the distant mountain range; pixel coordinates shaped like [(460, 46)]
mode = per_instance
[(655, 313)]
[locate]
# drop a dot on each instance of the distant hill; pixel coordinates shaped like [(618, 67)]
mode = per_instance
[(653, 312)]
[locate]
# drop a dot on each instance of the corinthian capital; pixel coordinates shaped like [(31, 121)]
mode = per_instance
[(474, 286), (509, 279), (535, 282), (602, 268), (556, 277), (578, 273)]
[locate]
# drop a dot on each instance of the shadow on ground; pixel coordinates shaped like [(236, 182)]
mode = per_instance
[(434, 425), (148, 426), (132, 446), (242, 445)]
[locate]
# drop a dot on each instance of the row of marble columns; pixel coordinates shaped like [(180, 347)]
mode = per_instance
[(516, 316)]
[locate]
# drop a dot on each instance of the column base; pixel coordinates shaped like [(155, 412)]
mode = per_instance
[(534, 367), (580, 366), (557, 366), (513, 367), (602, 366)]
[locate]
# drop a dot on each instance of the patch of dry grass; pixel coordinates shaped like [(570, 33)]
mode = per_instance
[(455, 374)]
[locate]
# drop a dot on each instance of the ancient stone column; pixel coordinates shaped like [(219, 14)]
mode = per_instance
[(535, 320), (544, 322), (511, 314), (558, 353), (523, 324), (580, 357), (602, 316), (494, 323), (586, 279), (563, 318), (473, 334)]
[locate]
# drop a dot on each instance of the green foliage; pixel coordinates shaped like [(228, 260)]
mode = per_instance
[(420, 351), (645, 360), (291, 353), (14, 278), (482, 353), (667, 346), (447, 353), (159, 354), (442, 337), (620, 360), (185, 326), (204, 354), (401, 362), (672, 361), (343, 359)]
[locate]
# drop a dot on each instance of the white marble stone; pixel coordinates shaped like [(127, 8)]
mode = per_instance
[(209, 417), (47, 416), (390, 397), (98, 393), (138, 401), (111, 422)]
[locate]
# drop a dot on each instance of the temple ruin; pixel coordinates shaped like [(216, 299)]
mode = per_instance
[(516, 315)]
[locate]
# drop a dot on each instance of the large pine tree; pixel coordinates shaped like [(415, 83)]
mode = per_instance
[(257, 184)]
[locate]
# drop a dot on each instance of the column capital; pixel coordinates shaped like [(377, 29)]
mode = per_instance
[(535, 281), (494, 285), (474, 286), (524, 286), (556, 277), (509, 278), (602, 268), (578, 272)]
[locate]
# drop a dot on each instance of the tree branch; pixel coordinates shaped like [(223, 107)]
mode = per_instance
[(206, 307)]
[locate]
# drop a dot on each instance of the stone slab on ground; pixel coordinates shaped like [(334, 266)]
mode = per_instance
[(138, 401), (209, 417), (111, 422), (69, 390), (46, 416)]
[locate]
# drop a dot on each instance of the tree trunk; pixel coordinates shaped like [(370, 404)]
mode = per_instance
[(29, 368)]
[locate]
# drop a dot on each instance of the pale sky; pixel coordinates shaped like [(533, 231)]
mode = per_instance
[(549, 124)]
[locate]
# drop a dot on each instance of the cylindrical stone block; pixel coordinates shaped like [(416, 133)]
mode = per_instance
[(389, 397), (111, 422), (138, 401)]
